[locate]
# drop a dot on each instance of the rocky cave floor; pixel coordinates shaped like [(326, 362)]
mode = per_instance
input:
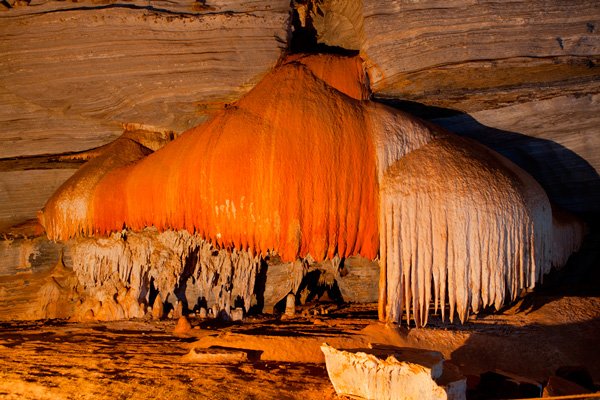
[(142, 359), (555, 326)]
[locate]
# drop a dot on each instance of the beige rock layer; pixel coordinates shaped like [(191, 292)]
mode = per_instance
[(427, 49), (88, 67), (71, 74), (23, 192)]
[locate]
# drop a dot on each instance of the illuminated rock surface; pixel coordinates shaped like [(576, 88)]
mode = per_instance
[(301, 183), (393, 373), (277, 173)]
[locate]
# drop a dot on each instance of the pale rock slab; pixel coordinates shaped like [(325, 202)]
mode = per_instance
[(393, 373)]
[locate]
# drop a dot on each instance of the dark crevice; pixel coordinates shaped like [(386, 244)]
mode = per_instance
[(304, 36), (54, 161), (149, 8)]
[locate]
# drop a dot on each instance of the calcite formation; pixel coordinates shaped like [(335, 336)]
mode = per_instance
[(393, 373), (119, 273), (306, 167)]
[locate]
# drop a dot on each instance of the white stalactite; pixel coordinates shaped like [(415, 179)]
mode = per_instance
[(461, 226), (116, 271)]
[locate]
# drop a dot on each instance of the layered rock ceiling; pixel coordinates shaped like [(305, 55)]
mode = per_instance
[(112, 82)]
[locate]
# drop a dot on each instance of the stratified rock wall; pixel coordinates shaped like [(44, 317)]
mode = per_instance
[(452, 52), (34, 282), (102, 65), (525, 73)]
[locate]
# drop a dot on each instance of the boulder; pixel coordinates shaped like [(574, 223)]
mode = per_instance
[(385, 372)]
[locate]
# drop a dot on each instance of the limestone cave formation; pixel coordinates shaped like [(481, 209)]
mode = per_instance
[(306, 199)]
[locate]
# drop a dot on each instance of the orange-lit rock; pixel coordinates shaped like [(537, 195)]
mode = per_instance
[(306, 166), (261, 175)]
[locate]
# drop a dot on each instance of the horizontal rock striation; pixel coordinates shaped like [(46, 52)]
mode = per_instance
[(528, 68), (155, 63), (453, 51), (72, 73)]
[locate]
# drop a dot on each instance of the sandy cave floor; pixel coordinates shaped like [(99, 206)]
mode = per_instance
[(144, 359)]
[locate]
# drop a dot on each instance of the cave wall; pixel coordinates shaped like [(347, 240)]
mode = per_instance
[(521, 77)]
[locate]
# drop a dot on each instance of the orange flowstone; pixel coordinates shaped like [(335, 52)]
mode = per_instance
[(290, 167)]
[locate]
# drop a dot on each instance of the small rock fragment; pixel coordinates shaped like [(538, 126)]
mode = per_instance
[(215, 356), (578, 374), (558, 386), (202, 313)]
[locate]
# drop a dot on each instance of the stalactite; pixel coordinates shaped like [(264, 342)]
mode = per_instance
[(117, 271), (458, 217)]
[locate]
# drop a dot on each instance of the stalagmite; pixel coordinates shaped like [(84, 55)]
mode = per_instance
[(290, 305), (158, 309), (306, 167), (183, 326)]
